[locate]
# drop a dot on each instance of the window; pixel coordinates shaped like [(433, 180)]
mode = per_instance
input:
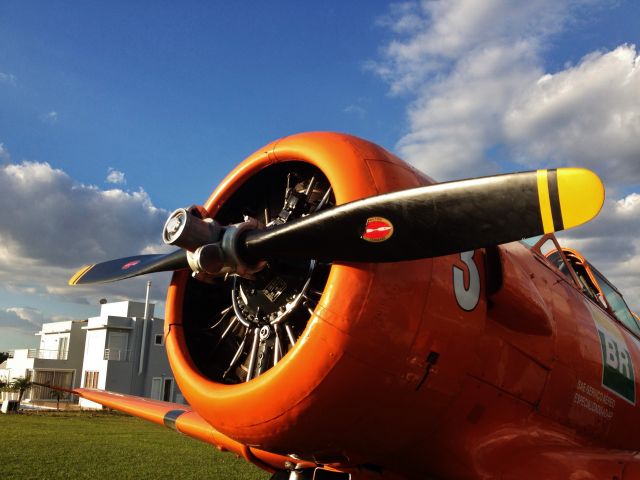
[(167, 389), (162, 388), (156, 388), (63, 348), (556, 259), (582, 274), (117, 343), (91, 379), (59, 378), (531, 241), (159, 340), (617, 304)]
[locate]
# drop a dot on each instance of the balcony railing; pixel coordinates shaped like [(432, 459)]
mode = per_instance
[(47, 354), (116, 354)]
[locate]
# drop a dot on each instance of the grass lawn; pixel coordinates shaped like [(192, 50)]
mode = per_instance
[(106, 445)]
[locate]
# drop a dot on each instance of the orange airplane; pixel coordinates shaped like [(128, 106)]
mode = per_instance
[(334, 313)]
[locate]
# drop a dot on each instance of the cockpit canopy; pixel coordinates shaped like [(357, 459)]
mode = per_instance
[(587, 279)]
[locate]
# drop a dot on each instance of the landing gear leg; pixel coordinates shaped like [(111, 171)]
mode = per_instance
[(310, 474)]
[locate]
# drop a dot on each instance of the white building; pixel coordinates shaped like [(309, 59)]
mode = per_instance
[(124, 352), (58, 360)]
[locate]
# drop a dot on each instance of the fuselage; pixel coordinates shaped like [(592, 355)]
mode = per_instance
[(455, 367)]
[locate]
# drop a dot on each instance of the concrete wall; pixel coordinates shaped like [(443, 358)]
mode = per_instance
[(51, 336), (18, 365), (125, 309), (146, 360), (158, 363)]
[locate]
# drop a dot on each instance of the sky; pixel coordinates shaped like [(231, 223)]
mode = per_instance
[(113, 114)]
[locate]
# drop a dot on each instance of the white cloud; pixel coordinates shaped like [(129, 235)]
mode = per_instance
[(5, 156), (7, 78), (475, 75), (457, 119), (21, 318), (25, 321), (50, 226), (356, 109), (115, 176), (432, 36), (587, 115), (49, 117), (71, 222), (476, 72)]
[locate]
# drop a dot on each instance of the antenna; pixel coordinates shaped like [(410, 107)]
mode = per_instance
[(146, 302)]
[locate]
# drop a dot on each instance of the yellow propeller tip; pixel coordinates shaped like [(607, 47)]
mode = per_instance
[(568, 197), (80, 273)]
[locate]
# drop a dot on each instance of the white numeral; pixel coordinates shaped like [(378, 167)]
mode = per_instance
[(467, 297)]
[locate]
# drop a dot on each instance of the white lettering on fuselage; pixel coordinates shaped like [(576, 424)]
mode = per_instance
[(594, 400)]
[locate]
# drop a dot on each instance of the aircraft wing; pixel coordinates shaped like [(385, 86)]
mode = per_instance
[(183, 419)]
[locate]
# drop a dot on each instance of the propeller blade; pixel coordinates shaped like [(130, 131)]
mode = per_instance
[(436, 220), (130, 267)]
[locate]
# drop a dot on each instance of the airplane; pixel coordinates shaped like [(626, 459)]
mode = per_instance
[(335, 313)]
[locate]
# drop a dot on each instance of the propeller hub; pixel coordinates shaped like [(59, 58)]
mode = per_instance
[(186, 228), (174, 225)]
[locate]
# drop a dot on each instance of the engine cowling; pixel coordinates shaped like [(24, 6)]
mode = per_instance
[(299, 358)]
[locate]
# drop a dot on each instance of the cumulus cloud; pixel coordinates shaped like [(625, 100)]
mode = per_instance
[(588, 114), (480, 94), (357, 109), (115, 176), (22, 318), (49, 117), (7, 78), (458, 119), (477, 74), (432, 36), (71, 222), (51, 225), (5, 157)]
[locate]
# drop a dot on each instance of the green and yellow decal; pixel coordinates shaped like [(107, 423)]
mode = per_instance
[(618, 374)]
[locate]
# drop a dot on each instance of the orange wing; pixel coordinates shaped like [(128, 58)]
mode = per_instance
[(183, 419)]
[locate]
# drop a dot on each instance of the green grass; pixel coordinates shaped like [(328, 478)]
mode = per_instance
[(104, 445)]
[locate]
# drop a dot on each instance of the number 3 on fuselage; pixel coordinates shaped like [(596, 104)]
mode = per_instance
[(468, 295)]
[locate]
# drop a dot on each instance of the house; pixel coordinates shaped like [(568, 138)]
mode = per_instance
[(121, 350), (58, 360), (124, 352)]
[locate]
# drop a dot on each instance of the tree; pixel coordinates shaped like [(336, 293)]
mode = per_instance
[(21, 384), (3, 356), (57, 394)]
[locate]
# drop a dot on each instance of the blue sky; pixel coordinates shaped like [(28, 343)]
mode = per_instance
[(113, 114), (161, 88)]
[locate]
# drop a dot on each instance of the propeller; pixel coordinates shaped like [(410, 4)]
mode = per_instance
[(416, 223), (436, 220), (128, 267)]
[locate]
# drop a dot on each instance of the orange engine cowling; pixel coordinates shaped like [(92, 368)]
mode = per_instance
[(307, 357)]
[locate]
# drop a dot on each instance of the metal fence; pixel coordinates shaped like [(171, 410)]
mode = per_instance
[(8, 396), (117, 354), (47, 354)]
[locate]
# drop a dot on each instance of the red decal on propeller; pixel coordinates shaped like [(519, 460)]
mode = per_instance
[(130, 264), (378, 229)]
